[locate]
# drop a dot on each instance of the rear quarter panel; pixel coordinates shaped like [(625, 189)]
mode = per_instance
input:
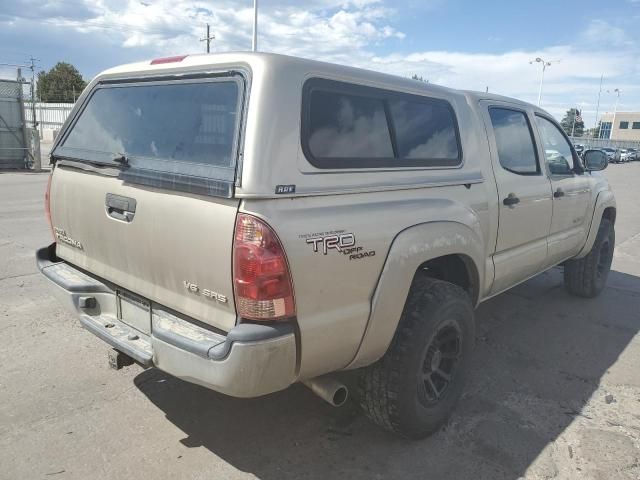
[(334, 291)]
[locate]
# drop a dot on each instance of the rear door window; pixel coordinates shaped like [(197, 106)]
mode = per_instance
[(352, 126), (514, 141), (187, 128)]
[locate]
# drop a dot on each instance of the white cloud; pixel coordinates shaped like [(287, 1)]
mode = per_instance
[(600, 33), (351, 32)]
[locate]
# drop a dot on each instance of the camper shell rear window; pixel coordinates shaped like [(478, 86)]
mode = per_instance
[(179, 134), (346, 125)]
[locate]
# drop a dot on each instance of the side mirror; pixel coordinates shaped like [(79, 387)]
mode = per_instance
[(595, 160)]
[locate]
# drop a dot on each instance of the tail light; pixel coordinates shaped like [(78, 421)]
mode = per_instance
[(261, 276), (47, 205)]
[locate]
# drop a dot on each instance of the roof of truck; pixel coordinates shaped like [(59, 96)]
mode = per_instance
[(472, 94), (260, 61), (201, 61)]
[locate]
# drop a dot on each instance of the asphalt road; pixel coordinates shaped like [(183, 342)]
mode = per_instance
[(555, 391)]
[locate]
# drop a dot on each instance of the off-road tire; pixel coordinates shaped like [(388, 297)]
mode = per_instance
[(587, 276), (388, 390)]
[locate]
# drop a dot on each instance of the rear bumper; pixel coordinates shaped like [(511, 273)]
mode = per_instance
[(248, 361)]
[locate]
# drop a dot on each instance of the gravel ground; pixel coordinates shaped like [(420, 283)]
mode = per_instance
[(555, 392)]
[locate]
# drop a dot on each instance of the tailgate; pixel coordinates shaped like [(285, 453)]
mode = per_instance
[(176, 250), (131, 194)]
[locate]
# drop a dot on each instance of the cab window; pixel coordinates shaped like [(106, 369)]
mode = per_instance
[(557, 150), (516, 150)]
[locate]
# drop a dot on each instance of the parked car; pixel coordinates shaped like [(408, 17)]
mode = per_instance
[(632, 154), (624, 155), (613, 154), (579, 148), (247, 221)]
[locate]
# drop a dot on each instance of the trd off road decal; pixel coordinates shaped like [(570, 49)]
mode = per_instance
[(338, 240)]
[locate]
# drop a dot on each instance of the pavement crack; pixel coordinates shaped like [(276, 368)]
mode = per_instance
[(18, 276), (55, 473)]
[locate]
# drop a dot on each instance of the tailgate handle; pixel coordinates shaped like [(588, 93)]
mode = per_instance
[(120, 207)]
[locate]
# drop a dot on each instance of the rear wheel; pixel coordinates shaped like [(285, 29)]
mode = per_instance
[(587, 276), (414, 387)]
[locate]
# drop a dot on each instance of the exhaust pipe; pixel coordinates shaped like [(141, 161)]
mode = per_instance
[(329, 389)]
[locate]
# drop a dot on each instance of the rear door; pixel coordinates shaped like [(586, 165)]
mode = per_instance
[(571, 193), (524, 194), (142, 191)]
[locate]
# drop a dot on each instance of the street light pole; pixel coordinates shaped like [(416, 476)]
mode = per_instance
[(254, 45), (615, 110), (544, 67), (596, 126)]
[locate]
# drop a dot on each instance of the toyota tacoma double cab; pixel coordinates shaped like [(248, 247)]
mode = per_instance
[(246, 221)]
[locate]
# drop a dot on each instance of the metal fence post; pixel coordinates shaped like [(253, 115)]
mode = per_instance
[(23, 121), (35, 142)]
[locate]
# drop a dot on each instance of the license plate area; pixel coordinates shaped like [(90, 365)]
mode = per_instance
[(135, 311)]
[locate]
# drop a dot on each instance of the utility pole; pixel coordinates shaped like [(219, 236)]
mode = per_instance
[(33, 91), (254, 43), (598, 108), (208, 39)]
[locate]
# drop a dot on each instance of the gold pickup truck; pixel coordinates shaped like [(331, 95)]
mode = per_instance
[(246, 221)]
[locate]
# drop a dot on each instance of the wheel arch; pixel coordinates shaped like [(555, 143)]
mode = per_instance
[(456, 268), (605, 207), (446, 250)]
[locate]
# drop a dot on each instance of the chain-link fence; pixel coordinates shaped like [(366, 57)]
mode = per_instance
[(19, 140), (25, 119), (605, 143)]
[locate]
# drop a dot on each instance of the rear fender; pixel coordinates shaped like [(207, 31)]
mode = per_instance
[(410, 249)]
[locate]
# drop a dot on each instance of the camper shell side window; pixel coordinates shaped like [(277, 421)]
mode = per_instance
[(346, 125)]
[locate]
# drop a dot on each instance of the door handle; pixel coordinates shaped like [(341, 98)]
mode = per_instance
[(558, 193), (121, 208), (511, 200)]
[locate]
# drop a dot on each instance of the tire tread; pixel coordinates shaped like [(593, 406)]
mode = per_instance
[(379, 384), (580, 274)]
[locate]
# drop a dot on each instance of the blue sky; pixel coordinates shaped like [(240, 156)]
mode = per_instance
[(458, 43)]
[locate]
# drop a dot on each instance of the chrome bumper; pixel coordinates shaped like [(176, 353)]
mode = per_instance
[(249, 361)]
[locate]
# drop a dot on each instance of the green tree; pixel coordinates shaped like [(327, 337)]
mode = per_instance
[(63, 83), (592, 132), (567, 123), (420, 79)]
